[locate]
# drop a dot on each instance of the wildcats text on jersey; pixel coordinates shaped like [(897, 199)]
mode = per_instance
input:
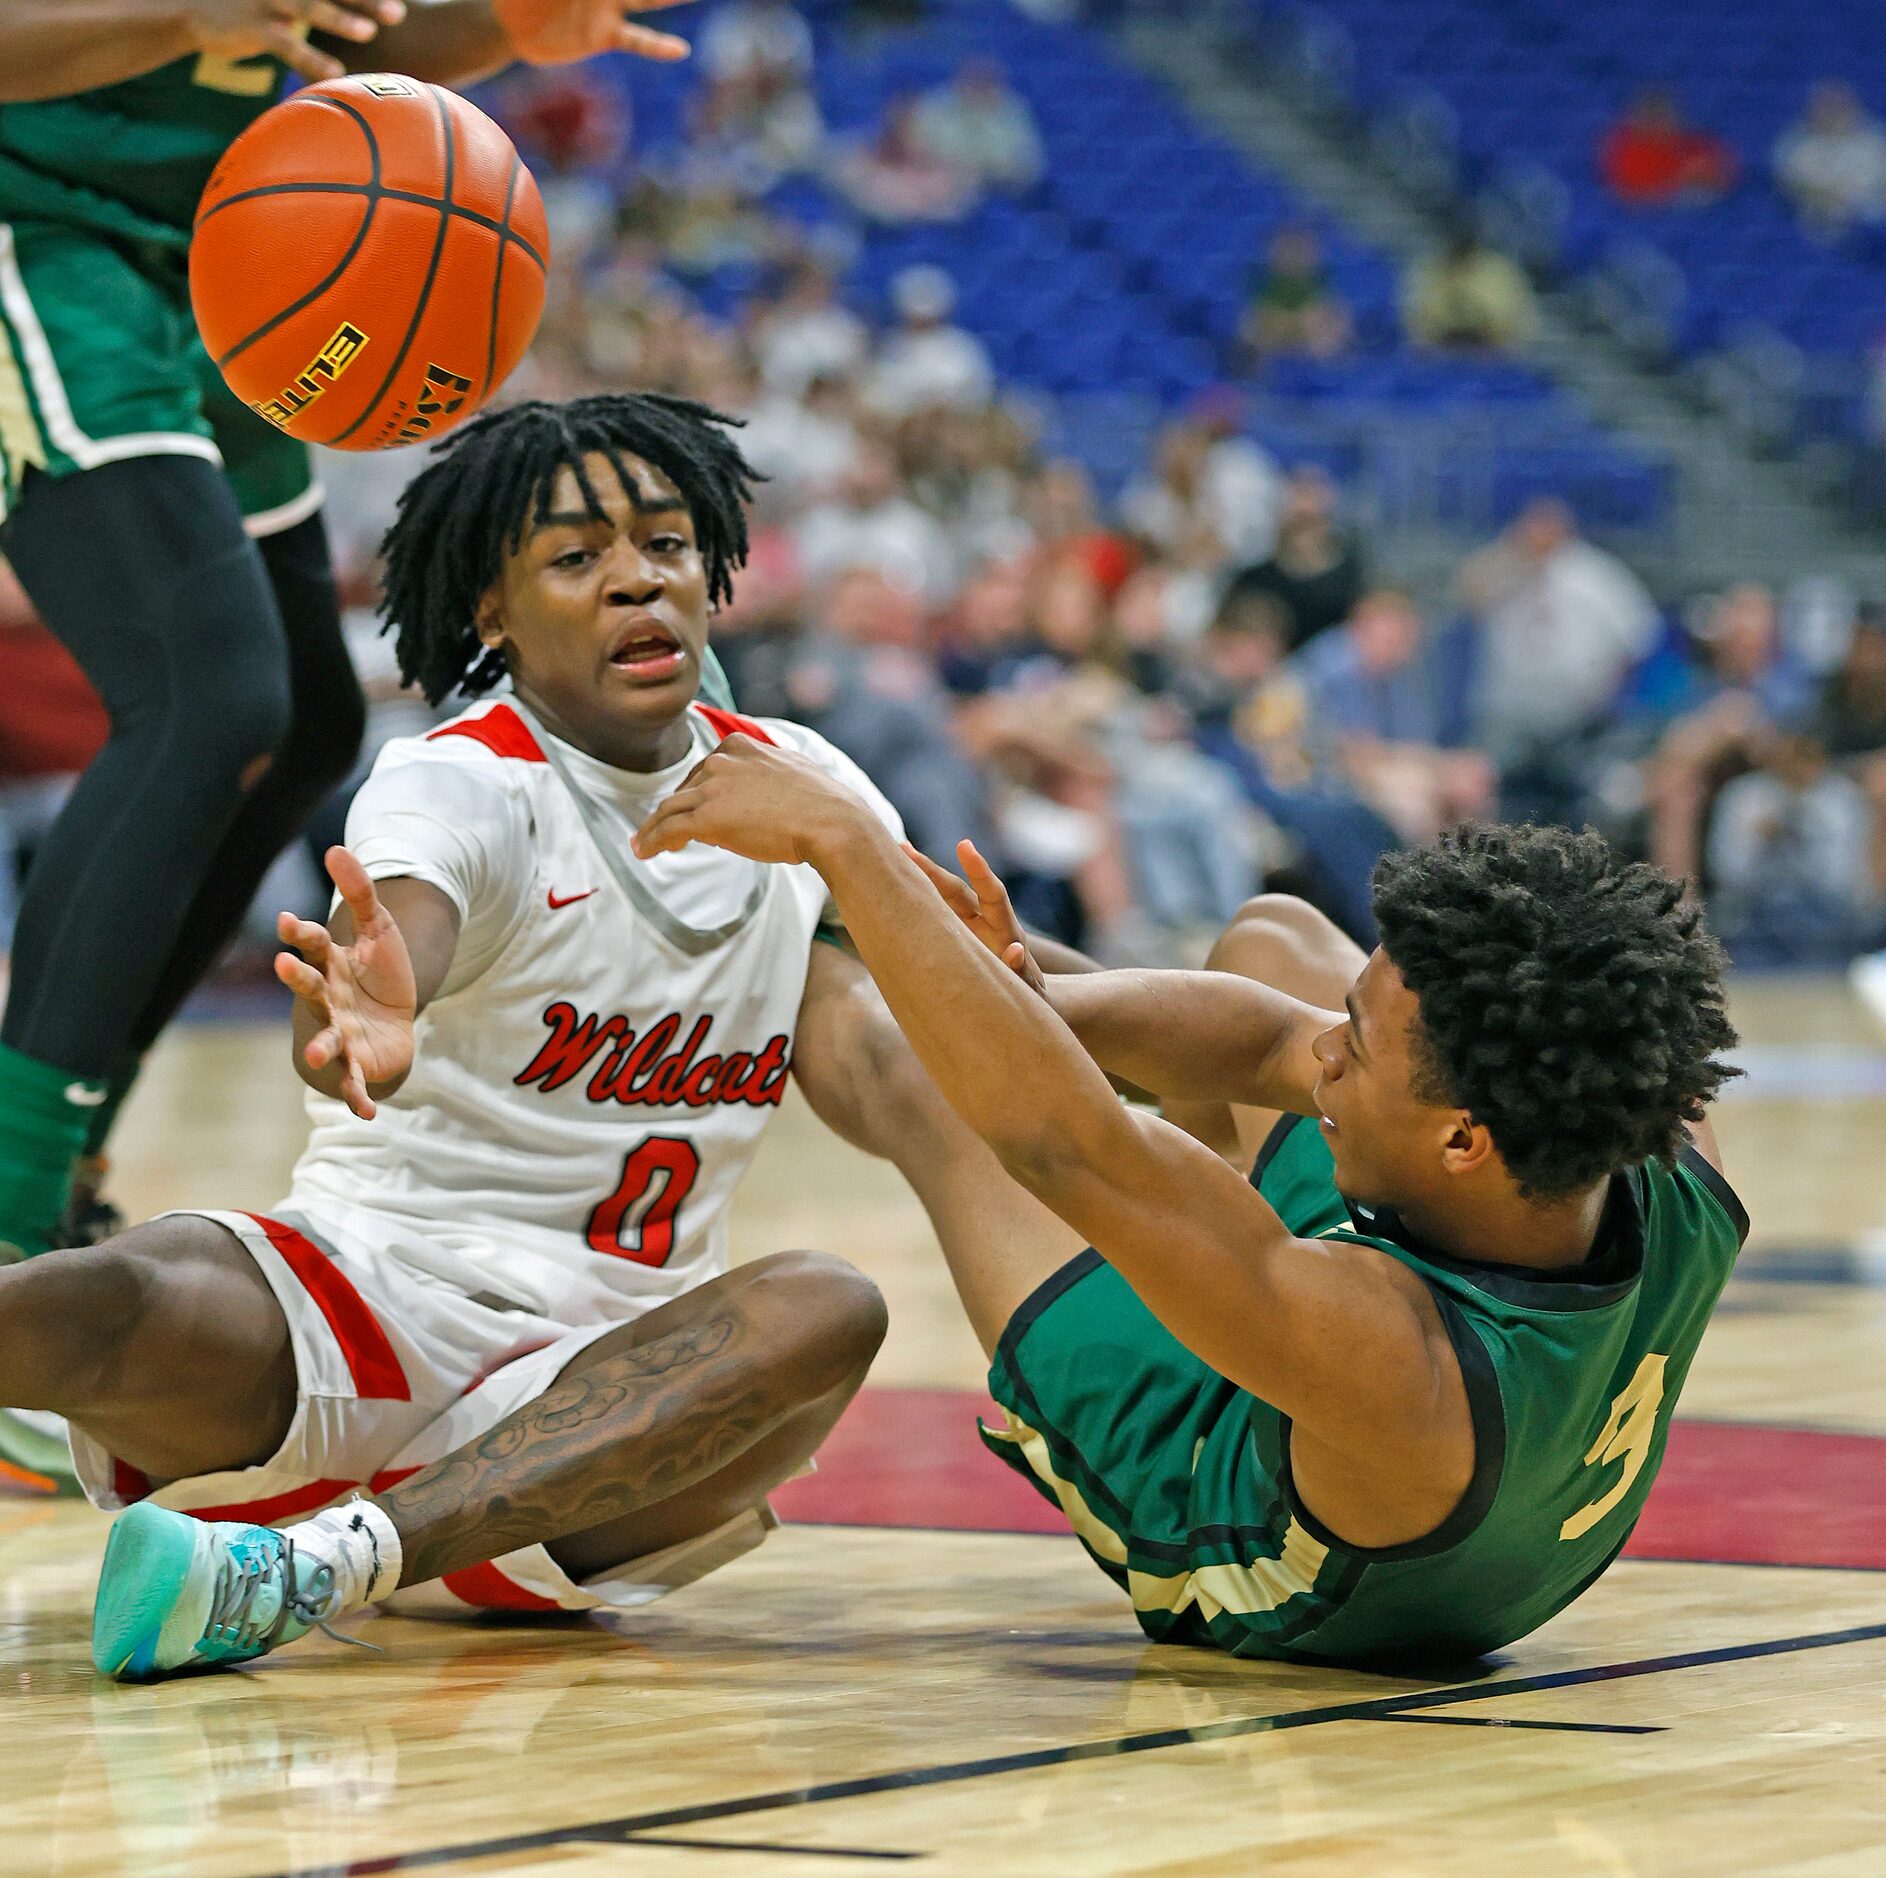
[(647, 1070)]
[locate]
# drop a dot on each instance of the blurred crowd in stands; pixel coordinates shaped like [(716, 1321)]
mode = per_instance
[(1143, 710)]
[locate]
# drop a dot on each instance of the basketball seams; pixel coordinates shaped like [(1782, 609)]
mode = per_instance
[(490, 225), (497, 276), (449, 129), (353, 248)]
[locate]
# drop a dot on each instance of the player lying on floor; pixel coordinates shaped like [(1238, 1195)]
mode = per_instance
[(1405, 1386), (497, 1291)]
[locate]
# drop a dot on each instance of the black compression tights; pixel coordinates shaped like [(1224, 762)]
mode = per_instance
[(234, 710)]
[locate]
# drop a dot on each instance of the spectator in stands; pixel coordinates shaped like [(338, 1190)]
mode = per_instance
[(1468, 297), (965, 466), (1374, 719), (1314, 573), (896, 178), (925, 361), (1850, 718), (1831, 163), (804, 446), (1293, 308), (1851, 721), (713, 224), (981, 125), (871, 523), (572, 129), (1650, 158), (1561, 625), (1744, 687), (759, 127), (1213, 495), (804, 332), (1794, 856), (748, 38), (1255, 726), (861, 679)]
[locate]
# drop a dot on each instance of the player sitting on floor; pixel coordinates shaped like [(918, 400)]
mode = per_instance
[(497, 1292), (1404, 1386)]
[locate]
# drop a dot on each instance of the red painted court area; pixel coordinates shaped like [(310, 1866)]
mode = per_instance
[(1735, 1492)]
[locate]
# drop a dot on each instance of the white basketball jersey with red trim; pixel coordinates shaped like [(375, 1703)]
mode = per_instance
[(591, 1081)]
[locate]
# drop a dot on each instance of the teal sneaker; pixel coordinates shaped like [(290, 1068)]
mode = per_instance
[(177, 1593)]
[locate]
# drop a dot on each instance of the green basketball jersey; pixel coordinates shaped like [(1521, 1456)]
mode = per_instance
[(130, 160), (1572, 1381), (1178, 1483)]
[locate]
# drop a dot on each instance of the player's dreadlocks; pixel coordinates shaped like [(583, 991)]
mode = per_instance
[(1571, 1003), (469, 507)]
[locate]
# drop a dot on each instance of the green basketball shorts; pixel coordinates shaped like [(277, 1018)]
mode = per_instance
[(100, 360), (1148, 1452)]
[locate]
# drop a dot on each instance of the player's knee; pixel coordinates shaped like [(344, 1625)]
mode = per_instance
[(1272, 921), (231, 674), (83, 1312), (839, 1315)]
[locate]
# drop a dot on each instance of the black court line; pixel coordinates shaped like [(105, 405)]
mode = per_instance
[(950, 1772), (1508, 1721), (752, 1845)]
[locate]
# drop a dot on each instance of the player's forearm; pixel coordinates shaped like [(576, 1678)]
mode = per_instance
[(53, 48), (1001, 1057), (1194, 1036), (1052, 956), (446, 42)]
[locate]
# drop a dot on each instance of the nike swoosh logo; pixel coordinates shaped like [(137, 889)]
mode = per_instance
[(571, 900), (81, 1097)]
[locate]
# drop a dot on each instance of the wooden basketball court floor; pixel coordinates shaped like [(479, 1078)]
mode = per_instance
[(920, 1671)]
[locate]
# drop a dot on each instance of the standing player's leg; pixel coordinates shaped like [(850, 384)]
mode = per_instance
[(657, 1433), (142, 570), (274, 486), (327, 717)]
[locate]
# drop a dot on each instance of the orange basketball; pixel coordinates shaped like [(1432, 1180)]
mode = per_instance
[(368, 262)]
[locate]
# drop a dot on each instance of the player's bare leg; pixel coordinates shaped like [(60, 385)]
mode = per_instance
[(865, 1083), (659, 1432), (1284, 942), (164, 1344)]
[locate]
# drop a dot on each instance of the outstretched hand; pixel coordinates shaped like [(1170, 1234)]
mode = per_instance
[(982, 904), (559, 32), (361, 994)]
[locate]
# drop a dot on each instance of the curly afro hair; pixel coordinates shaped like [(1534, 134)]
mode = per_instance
[(1571, 1002)]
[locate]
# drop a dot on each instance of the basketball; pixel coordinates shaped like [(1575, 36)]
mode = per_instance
[(368, 262)]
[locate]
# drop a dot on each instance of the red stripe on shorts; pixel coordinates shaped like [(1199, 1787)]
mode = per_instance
[(487, 1586), (297, 1500), (370, 1358), (278, 1506)]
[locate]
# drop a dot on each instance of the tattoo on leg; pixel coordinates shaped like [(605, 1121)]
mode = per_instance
[(632, 1428)]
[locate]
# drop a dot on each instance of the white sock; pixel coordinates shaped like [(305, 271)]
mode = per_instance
[(360, 1545)]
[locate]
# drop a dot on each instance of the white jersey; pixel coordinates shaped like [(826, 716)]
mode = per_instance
[(613, 1036)]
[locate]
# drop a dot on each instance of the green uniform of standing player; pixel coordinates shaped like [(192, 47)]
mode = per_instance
[(168, 536)]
